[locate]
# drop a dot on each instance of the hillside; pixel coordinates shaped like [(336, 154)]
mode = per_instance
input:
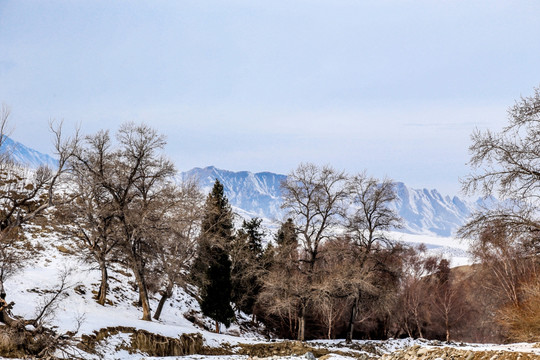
[(54, 256), (114, 331)]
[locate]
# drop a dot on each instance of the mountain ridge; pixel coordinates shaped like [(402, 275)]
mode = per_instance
[(258, 194), (25, 155)]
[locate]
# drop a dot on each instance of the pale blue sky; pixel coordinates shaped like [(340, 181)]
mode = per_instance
[(393, 87)]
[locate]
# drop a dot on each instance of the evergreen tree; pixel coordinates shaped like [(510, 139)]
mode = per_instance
[(216, 230), (216, 296), (246, 254), (218, 217), (212, 267), (286, 235), (254, 234)]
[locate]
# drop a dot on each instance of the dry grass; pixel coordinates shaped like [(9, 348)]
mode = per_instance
[(523, 321)]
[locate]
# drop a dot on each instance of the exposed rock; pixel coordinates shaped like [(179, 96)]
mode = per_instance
[(436, 353), (190, 344), (295, 348), (159, 345), (147, 342)]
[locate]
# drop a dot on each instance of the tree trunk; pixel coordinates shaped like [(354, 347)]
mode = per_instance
[(350, 330), (329, 335), (164, 298), (4, 316), (419, 328), (302, 324), (301, 328), (4, 307), (407, 329), (291, 328), (143, 293), (2, 291), (217, 327), (103, 287), (166, 294), (446, 322)]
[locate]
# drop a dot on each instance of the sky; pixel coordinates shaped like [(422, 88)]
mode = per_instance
[(391, 87)]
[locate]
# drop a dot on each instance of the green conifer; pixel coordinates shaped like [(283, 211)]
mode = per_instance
[(212, 268), (216, 296)]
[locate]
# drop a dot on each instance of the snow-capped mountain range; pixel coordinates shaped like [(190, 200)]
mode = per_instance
[(26, 156), (258, 194)]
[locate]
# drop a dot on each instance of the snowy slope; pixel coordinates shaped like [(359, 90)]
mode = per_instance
[(32, 286), (424, 211), (27, 156), (56, 254), (450, 248), (427, 211)]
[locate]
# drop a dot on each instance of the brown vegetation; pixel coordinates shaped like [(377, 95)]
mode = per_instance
[(505, 239)]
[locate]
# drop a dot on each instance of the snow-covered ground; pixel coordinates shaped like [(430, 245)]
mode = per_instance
[(32, 286), (451, 248)]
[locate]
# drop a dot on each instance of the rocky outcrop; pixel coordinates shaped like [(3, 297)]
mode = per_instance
[(298, 348), (146, 342), (442, 353)]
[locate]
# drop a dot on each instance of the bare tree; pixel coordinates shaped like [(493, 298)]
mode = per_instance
[(413, 306), (507, 164), (34, 337), (315, 198), (283, 288), (373, 216), (93, 212), (448, 298), (24, 195), (508, 269), (505, 255), (277, 297), (523, 322), (178, 244), (368, 225), (140, 187), (129, 190), (334, 277)]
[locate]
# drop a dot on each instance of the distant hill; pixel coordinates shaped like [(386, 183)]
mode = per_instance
[(26, 156), (258, 194)]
